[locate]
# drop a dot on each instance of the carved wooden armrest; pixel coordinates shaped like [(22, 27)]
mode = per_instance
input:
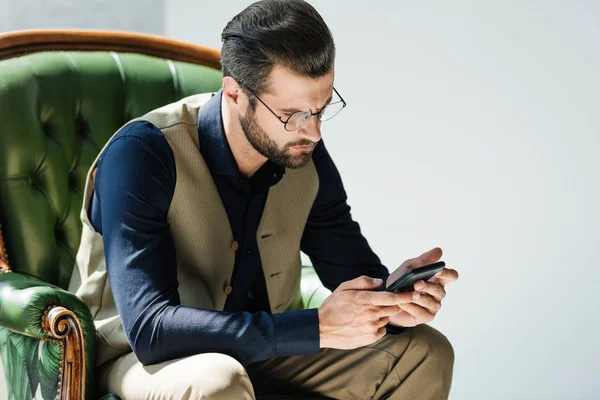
[(64, 325)]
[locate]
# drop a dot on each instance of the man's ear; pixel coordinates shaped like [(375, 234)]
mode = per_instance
[(231, 91)]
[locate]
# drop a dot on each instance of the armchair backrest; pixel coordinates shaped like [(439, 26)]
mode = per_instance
[(63, 94)]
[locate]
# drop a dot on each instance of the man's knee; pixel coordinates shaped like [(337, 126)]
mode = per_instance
[(222, 377), (211, 376), (425, 364), (433, 345)]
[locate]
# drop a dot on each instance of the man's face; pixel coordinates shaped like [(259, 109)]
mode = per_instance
[(287, 93)]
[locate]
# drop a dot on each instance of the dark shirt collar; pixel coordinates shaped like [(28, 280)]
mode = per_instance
[(217, 153)]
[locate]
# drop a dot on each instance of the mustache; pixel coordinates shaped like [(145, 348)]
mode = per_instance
[(303, 142)]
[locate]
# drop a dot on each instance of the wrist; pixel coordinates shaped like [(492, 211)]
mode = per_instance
[(323, 343)]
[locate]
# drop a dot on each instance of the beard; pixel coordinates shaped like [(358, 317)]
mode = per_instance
[(261, 142)]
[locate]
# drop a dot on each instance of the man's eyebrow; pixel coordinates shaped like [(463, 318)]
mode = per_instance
[(293, 110)]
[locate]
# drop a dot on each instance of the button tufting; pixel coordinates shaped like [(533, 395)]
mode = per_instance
[(47, 129), (74, 184), (81, 127), (59, 233)]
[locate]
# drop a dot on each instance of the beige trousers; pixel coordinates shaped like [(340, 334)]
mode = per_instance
[(416, 364)]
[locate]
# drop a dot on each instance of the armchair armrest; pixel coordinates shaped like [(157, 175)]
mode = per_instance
[(37, 309)]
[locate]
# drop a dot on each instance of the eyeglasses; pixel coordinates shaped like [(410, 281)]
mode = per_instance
[(298, 119)]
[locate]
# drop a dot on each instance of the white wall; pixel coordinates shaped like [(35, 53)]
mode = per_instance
[(474, 126)]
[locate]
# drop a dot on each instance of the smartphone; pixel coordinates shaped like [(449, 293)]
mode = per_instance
[(407, 281)]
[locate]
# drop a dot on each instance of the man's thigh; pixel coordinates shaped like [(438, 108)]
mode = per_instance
[(211, 376), (414, 364)]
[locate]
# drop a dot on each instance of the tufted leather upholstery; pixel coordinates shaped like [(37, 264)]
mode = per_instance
[(57, 110)]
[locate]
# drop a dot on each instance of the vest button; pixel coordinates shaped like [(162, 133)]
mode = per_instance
[(235, 245), (228, 290)]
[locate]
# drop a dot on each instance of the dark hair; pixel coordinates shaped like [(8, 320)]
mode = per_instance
[(290, 33)]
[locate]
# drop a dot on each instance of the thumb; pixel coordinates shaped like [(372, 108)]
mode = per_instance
[(431, 256), (361, 283)]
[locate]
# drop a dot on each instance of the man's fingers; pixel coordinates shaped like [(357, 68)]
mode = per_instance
[(383, 321), (385, 298), (434, 289), (431, 256), (421, 314), (383, 311), (428, 302), (445, 276), (361, 283)]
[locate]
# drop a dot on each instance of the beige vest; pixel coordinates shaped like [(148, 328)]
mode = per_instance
[(201, 234)]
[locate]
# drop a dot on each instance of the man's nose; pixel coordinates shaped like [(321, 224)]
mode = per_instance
[(312, 129)]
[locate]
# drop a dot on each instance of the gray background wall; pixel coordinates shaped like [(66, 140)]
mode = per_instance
[(130, 15), (472, 126)]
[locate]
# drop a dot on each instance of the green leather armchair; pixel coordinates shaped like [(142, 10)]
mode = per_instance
[(62, 96)]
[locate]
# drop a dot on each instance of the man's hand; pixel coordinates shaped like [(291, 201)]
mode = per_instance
[(355, 315), (432, 291)]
